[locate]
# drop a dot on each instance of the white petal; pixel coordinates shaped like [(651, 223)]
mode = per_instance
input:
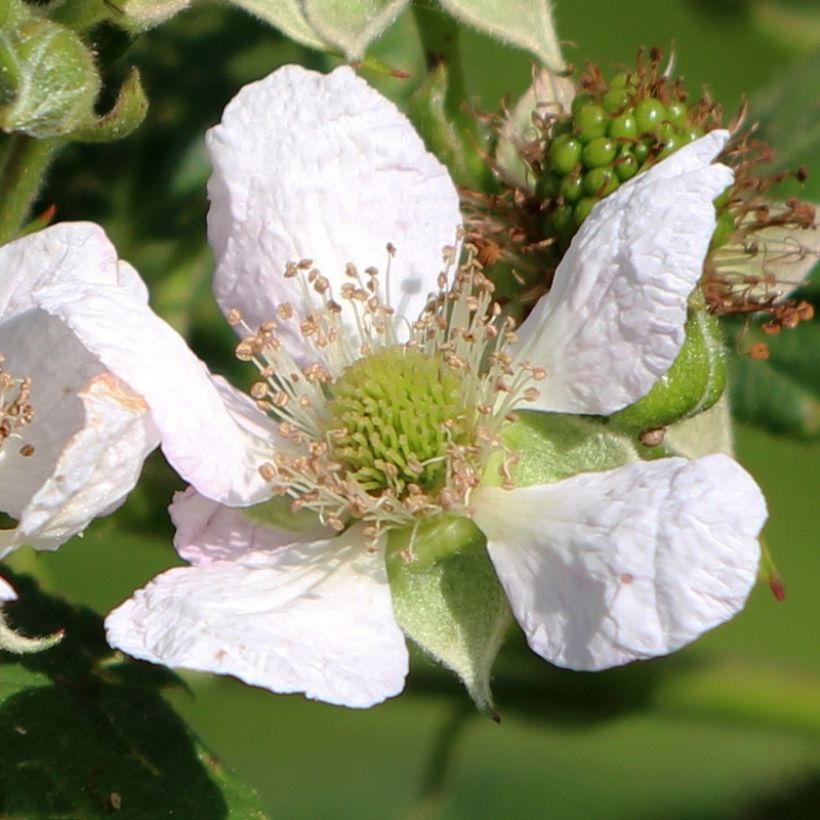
[(89, 432), (612, 324), (313, 618), (216, 445), (207, 531), (66, 252), (606, 568), (7, 592), (323, 167)]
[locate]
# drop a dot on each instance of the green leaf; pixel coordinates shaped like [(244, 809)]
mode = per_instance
[(351, 25), (452, 607), (348, 26), (85, 733), (781, 393), (789, 123), (288, 17), (527, 24)]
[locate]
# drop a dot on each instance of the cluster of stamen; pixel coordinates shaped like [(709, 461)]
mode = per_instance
[(386, 424), (15, 408)]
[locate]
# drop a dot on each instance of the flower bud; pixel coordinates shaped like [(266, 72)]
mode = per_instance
[(48, 80)]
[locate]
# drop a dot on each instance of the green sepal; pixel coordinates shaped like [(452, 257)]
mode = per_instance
[(125, 116), (552, 446), (276, 513), (452, 606), (48, 80), (451, 135), (141, 15), (693, 384), (12, 641)]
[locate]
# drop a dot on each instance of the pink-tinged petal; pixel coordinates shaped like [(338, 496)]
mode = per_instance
[(612, 324), (90, 435), (323, 167), (207, 531), (216, 445), (314, 618), (66, 252), (606, 568)]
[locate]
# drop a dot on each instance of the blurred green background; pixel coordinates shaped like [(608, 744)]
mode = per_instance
[(729, 728)]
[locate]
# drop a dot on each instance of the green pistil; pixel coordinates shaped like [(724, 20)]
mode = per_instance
[(394, 415)]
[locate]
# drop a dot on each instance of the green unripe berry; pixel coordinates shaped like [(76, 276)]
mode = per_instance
[(590, 122), (676, 113), (615, 100), (598, 152), (623, 127), (620, 81), (671, 144), (562, 126), (565, 153), (572, 188), (548, 186), (582, 209), (649, 113), (626, 166), (641, 151), (692, 133), (579, 101), (600, 182), (563, 221)]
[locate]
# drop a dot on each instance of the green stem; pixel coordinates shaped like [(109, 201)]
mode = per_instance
[(438, 769), (439, 34), (460, 150), (21, 176)]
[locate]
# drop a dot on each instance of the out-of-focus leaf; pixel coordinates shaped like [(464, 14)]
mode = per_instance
[(351, 25), (798, 28), (527, 24), (781, 393), (348, 26), (789, 115), (85, 733), (288, 17)]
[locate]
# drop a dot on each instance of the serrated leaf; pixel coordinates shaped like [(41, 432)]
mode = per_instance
[(351, 25), (454, 608), (85, 733), (288, 17), (527, 24)]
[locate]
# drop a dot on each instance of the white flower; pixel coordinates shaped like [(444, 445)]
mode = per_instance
[(600, 569), (89, 384)]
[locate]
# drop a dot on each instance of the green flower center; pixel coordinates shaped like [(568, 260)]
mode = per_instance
[(393, 417)]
